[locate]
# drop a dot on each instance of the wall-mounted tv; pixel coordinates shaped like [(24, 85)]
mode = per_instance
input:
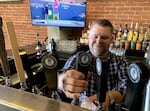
[(62, 13)]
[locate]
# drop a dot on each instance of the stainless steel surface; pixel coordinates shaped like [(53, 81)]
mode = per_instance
[(20, 100), (147, 98), (6, 107)]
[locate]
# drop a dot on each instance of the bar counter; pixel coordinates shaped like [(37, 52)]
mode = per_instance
[(12, 99)]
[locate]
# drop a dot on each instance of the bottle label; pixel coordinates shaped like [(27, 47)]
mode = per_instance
[(119, 34), (147, 37), (127, 44), (135, 36), (144, 45), (138, 46), (130, 34), (141, 37), (133, 43)]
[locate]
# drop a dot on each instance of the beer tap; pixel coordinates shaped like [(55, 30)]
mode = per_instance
[(98, 82), (83, 62), (50, 64), (38, 47), (8, 81), (146, 106), (101, 81), (138, 86)]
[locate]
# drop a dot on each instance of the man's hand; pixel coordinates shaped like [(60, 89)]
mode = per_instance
[(112, 97), (72, 82)]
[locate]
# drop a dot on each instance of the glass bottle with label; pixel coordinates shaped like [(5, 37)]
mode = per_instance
[(138, 45), (125, 31), (141, 34), (119, 34), (147, 34), (130, 33), (136, 33), (132, 45), (115, 32)]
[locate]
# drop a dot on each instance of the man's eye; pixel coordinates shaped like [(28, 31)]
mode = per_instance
[(95, 36), (104, 37)]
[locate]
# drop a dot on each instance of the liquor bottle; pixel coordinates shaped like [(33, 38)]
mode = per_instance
[(136, 33), (119, 34), (115, 32), (125, 31), (141, 34), (130, 33), (138, 45), (147, 34)]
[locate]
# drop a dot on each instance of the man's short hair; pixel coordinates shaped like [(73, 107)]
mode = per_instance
[(102, 22)]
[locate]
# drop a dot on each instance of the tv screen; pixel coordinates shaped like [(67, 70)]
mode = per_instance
[(8, 0), (62, 13)]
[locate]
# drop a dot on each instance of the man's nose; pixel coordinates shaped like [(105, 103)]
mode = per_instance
[(99, 39)]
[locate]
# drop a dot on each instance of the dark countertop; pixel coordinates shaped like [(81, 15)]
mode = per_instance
[(30, 49), (19, 100)]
